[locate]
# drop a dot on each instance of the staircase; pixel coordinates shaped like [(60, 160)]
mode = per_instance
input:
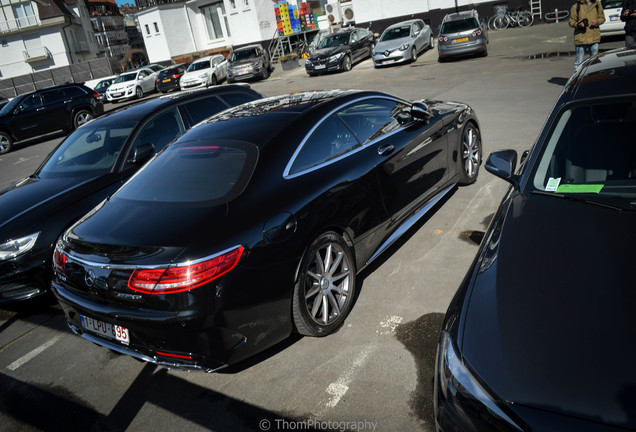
[(535, 9)]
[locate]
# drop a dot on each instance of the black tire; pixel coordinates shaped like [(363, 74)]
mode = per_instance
[(81, 117), (431, 42), (265, 74), (6, 142), (322, 298), (229, 81), (413, 55), (139, 93), (311, 74), (346, 63), (214, 80), (469, 158)]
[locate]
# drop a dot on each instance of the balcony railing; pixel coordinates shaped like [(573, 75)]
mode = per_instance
[(36, 54), (19, 24)]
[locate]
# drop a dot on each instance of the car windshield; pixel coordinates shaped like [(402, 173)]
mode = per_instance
[(591, 153), (396, 33), (244, 54), (10, 106), (176, 175), (90, 151), (459, 25), (335, 40), (199, 66), (103, 85), (126, 77), (612, 4)]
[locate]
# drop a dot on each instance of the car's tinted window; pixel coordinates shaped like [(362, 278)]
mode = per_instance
[(31, 102), (372, 118), (158, 131), (126, 77), (328, 141), (396, 33), (234, 99), (612, 4), (199, 66), (53, 96), (203, 108), (460, 25), (71, 92), (192, 172), (91, 150)]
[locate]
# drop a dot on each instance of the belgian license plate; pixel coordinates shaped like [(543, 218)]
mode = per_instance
[(465, 39), (105, 329), (116, 94), (385, 62), (166, 80), (320, 66), (614, 17), (242, 72)]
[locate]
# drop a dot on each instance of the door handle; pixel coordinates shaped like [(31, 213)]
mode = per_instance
[(385, 149), (40, 109)]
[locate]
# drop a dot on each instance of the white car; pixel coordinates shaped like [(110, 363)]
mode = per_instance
[(132, 84), (205, 72), (613, 24)]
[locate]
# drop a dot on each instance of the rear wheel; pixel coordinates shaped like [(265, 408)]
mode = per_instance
[(81, 117), (431, 42), (325, 289), (6, 142), (470, 155)]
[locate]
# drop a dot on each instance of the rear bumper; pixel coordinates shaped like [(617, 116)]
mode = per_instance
[(472, 47)]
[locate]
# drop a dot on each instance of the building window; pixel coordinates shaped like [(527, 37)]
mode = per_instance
[(156, 28), (24, 14), (233, 4), (212, 15), (147, 29), (247, 2)]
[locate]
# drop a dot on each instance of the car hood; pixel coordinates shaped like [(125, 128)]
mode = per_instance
[(31, 198), (550, 321), (241, 63), (321, 54), (119, 86), (195, 74), (392, 44)]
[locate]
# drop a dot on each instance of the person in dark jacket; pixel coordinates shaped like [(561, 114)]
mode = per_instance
[(628, 15)]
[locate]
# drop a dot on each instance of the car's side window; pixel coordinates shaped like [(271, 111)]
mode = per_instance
[(158, 131), (51, 97), (71, 92), (201, 109), (354, 37), (31, 102), (329, 140), (372, 118)]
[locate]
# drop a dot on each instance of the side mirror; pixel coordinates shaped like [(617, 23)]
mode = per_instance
[(420, 111), (403, 118), (503, 164), (142, 154)]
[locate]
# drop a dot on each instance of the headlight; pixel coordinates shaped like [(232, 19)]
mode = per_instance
[(308, 62), (130, 85), (405, 46), (457, 384), (203, 75), (336, 57), (16, 247)]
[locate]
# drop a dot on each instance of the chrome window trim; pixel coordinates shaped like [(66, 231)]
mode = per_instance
[(147, 267), (287, 173)]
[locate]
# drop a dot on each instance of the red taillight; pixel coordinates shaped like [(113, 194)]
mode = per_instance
[(183, 278), (158, 80), (96, 95), (180, 356), (442, 39), (176, 76), (477, 33), (59, 261)]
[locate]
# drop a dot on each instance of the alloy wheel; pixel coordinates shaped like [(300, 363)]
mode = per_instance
[(471, 152)]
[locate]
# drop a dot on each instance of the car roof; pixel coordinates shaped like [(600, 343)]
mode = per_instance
[(247, 47), (460, 15), (52, 88), (403, 23), (609, 74)]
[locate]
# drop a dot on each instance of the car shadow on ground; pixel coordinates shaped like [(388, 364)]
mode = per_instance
[(38, 140)]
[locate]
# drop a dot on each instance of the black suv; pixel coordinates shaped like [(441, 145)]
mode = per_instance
[(50, 109)]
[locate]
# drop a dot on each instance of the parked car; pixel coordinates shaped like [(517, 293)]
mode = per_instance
[(155, 67), (340, 50), (102, 86), (168, 78), (462, 33), (62, 107), (538, 336), (613, 25), (402, 42), (90, 164), (240, 232), (132, 84), (205, 72), (248, 63)]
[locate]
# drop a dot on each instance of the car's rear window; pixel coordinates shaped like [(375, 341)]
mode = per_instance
[(205, 171), (460, 25)]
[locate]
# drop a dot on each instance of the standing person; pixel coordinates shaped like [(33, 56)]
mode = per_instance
[(628, 16), (586, 17)]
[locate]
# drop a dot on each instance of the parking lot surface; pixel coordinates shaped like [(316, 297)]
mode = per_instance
[(376, 372)]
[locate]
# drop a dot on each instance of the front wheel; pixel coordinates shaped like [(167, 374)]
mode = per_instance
[(413, 55), (265, 74), (214, 81), (346, 63), (81, 117), (326, 285), (6, 142), (470, 155), (139, 93)]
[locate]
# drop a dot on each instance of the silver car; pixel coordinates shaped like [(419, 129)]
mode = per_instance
[(462, 33), (402, 42)]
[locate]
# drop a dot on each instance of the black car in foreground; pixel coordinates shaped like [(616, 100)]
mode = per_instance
[(90, 164), (255, 223), (339, 51), (62, 107), (539, 336)]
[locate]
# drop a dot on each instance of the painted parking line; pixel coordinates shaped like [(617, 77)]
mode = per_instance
[(30, 356)]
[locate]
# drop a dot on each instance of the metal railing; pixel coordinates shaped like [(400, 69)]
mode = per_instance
[(36, 54), (19, 24)]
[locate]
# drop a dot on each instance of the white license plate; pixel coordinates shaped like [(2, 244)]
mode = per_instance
[(386, 62), (105, 329), (320, 66), (243, 72), (116, 94), (614, 18)]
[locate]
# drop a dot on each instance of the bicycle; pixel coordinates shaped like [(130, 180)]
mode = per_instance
[(556, 16), (510, 18)]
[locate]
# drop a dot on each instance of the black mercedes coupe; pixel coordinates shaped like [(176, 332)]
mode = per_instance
[(90, 164), (540, 335), (255, 223)]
